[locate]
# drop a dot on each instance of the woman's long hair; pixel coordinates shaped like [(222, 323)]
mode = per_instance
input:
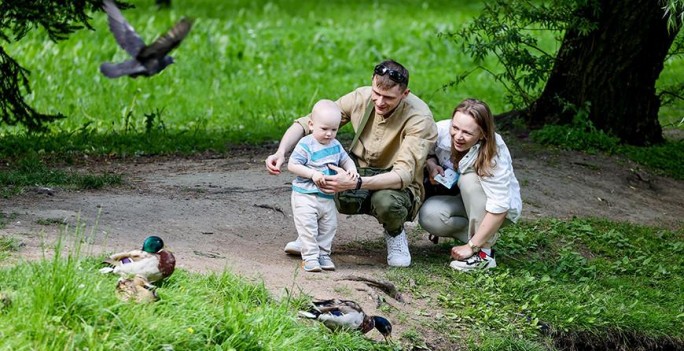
[(485, 121)]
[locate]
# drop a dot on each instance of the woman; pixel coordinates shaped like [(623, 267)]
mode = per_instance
[(489, 192)]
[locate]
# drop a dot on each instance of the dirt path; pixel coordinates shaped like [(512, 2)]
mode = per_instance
[(228, 213)]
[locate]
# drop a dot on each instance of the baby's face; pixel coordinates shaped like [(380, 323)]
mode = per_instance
[(324, 127)]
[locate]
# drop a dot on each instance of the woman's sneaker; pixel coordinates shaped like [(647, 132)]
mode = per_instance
[(311, 265), (326, 263), (479, 260)]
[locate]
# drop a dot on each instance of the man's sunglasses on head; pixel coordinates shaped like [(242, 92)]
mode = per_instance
[(396, 76)]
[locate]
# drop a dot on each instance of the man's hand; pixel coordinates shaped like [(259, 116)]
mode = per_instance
[(339, 182), (274, 162)]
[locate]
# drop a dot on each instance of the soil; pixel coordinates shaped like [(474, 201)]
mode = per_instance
[(227, 213)]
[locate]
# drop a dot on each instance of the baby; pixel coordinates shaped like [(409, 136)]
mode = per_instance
[(314, 211)]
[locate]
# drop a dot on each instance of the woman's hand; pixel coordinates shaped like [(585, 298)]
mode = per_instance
[(461, 252), (433, 170)]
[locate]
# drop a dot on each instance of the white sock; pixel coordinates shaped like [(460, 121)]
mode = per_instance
[(487, 250)]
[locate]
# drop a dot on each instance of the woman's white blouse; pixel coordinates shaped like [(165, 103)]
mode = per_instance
[(501, 188)]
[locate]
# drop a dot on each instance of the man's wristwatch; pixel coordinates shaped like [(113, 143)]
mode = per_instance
[(358, 183), (474, 247)]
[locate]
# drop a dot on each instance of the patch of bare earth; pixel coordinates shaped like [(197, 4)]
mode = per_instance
[(227, 213)]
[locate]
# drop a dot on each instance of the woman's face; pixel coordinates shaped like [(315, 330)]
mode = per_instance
[(464, 132)]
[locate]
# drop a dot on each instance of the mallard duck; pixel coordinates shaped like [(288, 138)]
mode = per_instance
[(345, 314), (153, 262), (136, 289), (5, 300)]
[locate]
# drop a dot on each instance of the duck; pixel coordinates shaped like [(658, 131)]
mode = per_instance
[(136, 289), (153, 262), (5, 300), (338, 314)]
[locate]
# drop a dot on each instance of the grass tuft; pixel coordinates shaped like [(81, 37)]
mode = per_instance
[(31, 171)]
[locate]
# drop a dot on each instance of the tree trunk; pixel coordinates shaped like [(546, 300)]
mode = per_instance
[(613, 70)]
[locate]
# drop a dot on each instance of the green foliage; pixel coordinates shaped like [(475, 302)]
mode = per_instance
[(58, 19), (523, 39), (516, 44), (674, 11), (12, 105)]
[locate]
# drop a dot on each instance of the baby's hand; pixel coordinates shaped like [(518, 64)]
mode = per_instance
[(352, 174), (318, 178)]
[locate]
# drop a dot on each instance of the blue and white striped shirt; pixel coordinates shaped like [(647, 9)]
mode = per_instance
[(311, 153)]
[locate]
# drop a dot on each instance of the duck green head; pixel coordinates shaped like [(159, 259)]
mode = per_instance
[(153, 244), (384, 327)]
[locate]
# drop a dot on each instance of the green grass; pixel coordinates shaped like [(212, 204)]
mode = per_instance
[(63, 303), (585, 281), (244, 72), (248, 68), (8, 245), (664, 158), (589, 282), (30, 170)]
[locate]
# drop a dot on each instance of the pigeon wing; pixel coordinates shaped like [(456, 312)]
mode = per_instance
[(167, 42), (123, 32), (127, 68)]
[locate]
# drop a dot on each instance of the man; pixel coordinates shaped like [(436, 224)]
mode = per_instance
[(394, 131)]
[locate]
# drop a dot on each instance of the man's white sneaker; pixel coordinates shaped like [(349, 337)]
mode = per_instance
[(479, 260), (293, 248), (398, 254)]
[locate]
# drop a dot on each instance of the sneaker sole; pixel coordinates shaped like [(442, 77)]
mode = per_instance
[(328, 268), (315, 269), (292, 252), (402, 265), (472, 268)]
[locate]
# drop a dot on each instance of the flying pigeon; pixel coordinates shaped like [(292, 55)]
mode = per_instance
[(147, 59)]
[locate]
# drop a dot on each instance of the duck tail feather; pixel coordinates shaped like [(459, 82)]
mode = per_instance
[(305, 314)]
